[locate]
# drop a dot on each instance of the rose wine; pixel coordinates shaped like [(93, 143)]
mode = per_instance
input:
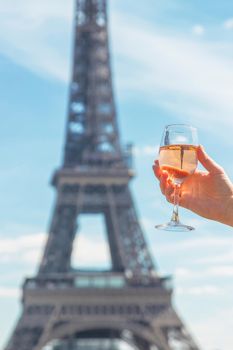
[(178, 160)]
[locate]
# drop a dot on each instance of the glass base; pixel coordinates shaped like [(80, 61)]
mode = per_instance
[(175, 227)]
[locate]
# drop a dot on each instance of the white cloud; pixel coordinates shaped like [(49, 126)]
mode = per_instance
[(204, 290), (218, 258), (221, 271), (228, 24), (192, 244), (214, 331), (198, 29), (199, 264), (190, 79), (24, 249), (187, 78), (147, 150), (38, 11), (89, 251), (35, 35), (147, 223), (183, 274), (6, 292), (30, 247)]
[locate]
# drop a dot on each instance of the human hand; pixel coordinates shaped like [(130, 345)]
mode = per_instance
[(206, 193)]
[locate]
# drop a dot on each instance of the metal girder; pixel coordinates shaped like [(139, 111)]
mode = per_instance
[(92, 135)]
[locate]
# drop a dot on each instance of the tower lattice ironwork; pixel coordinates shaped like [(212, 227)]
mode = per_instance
[(131, 301)]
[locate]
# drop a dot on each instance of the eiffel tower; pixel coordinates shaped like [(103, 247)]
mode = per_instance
[(131, 302)]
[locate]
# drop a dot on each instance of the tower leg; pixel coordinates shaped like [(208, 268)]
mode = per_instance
[(25, 336)]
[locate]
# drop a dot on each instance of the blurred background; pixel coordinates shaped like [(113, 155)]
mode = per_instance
[(172, 63)]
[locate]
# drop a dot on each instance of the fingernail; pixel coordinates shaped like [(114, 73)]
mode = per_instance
[(202, 148)]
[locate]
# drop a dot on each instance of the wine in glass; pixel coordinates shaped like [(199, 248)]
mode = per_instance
[(178, 156)]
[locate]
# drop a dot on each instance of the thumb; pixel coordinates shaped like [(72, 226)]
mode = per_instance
[(208, 162)]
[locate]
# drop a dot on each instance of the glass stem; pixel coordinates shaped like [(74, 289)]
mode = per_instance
[(175, 214)]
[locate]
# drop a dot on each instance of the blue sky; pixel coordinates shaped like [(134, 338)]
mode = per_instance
[(172, 62)]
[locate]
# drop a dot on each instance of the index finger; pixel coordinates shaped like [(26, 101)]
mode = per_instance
[(208, 162), (156, 169)]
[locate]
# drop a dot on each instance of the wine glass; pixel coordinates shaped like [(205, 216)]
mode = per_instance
[(178, 156)]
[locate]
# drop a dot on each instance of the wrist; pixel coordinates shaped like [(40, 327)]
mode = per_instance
[(228, 220)]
